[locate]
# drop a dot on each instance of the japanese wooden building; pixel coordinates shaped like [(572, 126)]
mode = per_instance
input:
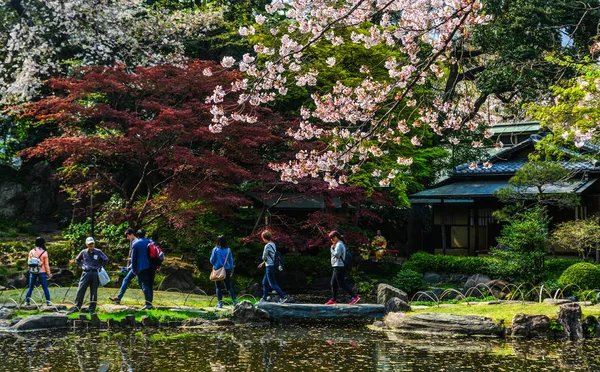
[(462, 204)]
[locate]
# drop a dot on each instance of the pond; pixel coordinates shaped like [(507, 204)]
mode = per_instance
[(284, 348)]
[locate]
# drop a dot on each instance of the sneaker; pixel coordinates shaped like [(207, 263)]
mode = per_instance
[(283, 300), (27, 303), (262, 301), (331, 302), (49, 303), (115, 300), (72, 310), (355, 300), (147, 307), (220, 304)]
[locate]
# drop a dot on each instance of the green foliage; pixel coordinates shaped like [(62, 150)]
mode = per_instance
[(408, 280), (583, 274), (580, 235), (309, 265), (555, 326), (76, 233), (424, 262), (60, 253), (537, 176), (524, 243), (14, 247)]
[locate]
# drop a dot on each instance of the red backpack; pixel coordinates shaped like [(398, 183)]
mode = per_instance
[(157, 256)]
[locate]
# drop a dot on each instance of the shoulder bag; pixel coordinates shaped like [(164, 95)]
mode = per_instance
[(220, 274)]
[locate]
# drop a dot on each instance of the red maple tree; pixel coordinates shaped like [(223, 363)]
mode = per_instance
[(140, 139)]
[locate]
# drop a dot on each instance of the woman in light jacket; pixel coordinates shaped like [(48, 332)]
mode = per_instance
[(221, 256), (338, 253), (40, 253)]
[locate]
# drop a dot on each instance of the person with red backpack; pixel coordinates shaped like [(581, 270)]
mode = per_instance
[(38, 269), (144, 267)]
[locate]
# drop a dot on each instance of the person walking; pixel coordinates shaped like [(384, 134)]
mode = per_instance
[(338, 253), (221, 256), (91, 261), (39, 269), (130, 235), (268, 258), (143, 268)]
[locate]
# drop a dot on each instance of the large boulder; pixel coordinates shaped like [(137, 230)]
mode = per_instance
[(63, 277), (290, 311), (12, 200), (6, 313), (476, 279), (37, 322), (19, 281), (500, 288), (256, 290), (443, 324), (246, 312), (569, 317), (432, 278), (396, 305), (531, 326), (178, 279), (386, 291)]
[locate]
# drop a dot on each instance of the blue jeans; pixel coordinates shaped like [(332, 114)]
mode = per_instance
[(32, 279), (269, 283), (227, 284), (125, 284)]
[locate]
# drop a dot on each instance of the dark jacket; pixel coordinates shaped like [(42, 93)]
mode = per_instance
[(91, 261), (140, 257)]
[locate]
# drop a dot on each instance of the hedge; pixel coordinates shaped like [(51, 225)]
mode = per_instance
[(424, 262)]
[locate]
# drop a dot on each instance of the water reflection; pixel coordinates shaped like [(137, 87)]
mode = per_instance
[(284, 349)]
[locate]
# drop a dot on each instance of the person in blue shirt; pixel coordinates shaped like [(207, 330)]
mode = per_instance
[(143, 268), (130, 235), (91, 261), (221, 256)]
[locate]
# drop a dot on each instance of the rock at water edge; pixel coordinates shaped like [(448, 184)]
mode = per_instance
[(531, 326), (569, 317), (386, 291), (395, 305), (35, 322)]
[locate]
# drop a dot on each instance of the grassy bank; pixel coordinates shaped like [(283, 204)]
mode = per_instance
[(506, 312), (133, 297)]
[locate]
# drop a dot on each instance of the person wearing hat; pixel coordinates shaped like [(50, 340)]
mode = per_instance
[(91, 260)]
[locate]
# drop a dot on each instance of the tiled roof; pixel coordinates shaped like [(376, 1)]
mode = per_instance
[(503, 163), (486, 188), (513, 165)]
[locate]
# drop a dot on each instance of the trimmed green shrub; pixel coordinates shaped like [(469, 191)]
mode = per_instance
[(409, 281), (583, 274), (424, 262)]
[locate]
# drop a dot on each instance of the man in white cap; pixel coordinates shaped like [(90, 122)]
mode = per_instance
[(91, 260)]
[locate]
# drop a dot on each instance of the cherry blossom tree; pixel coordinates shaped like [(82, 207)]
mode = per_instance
[(40, 38), (356, 119)]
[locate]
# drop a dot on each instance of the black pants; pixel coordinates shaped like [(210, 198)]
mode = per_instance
[(88, 279), (146, 281), (338, 280)]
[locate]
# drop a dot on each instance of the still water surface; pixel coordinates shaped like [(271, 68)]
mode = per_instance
[(284, 348)]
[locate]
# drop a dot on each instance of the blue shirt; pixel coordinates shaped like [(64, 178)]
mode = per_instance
[(91, 261), (140, 257), (217, 258)]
